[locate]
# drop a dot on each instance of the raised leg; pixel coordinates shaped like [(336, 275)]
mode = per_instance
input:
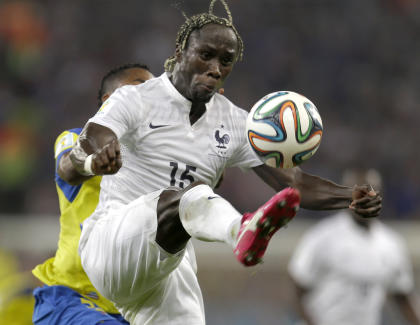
[(170, 234)]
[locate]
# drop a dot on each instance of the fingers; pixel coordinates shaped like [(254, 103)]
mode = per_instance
[(108, 159), (367, 201), (114, 155), (371, 212), (367, 206), (360, 191)]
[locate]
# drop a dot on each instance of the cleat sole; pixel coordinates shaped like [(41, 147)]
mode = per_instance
[(258, 229)]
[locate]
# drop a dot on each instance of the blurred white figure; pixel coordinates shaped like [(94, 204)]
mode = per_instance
[(345, 266)]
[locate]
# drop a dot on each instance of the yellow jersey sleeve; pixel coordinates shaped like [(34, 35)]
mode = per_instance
[(65, 142)]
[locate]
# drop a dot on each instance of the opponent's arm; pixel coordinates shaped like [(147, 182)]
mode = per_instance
[(321, 194), (67, 171), (97, 152)]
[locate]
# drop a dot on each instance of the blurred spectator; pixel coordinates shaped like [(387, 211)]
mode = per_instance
[(23, 35), (18, 154), (345, 267)]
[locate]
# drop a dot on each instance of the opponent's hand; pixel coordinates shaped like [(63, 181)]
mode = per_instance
[(367, 203), (107, 160)]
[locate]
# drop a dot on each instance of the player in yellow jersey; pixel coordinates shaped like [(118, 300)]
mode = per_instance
[(68, 297)]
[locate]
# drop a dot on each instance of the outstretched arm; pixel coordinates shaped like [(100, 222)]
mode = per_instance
[(97, 152), (321, 194)]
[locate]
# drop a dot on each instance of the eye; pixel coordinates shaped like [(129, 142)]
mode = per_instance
[(205, 55), (227, 60)]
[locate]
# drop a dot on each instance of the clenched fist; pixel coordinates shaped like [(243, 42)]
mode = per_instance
[(107, 160), (366, 201)]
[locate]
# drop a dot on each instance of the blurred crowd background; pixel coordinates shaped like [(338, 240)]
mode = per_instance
[(358, 61)]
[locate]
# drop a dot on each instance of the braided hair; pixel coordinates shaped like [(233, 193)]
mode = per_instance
[(198, 21)]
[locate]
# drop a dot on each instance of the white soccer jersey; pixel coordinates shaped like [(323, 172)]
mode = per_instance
[(160, 148), (349, 270)]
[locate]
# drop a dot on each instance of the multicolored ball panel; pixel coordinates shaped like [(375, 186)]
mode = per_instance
[(284, 128)]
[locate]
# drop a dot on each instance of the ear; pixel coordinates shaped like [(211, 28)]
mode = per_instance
[(105, 97)]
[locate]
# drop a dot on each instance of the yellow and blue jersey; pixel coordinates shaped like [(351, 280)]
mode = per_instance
[(76, 204)]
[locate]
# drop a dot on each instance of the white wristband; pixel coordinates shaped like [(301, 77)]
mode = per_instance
[(88, 166)]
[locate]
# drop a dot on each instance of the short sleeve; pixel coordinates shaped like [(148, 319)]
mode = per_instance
[(65, 142), (244, 157), (306, 263), (121, 112)]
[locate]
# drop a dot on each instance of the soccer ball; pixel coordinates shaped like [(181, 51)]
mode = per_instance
[(284, 129)]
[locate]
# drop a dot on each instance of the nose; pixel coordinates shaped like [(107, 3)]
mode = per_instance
[(214, 69)]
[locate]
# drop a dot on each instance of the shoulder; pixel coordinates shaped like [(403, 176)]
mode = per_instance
[(222, 102), (66, 140), (329, 222), (129, 101), (390, 236), (233, 116), (325, 229), (75, 131), (128, 91), (142, 93)]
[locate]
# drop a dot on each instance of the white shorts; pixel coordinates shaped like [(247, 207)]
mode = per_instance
[(147, 285)]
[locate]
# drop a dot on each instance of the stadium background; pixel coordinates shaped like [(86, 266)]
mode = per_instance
[(356, 60)]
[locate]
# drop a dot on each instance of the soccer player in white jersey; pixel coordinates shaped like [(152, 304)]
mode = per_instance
[(346, 266), (135, 247)]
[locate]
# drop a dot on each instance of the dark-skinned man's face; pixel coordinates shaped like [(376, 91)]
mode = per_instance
[(206, 62)]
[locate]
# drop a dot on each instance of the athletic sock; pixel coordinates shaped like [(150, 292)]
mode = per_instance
[(209, 217)]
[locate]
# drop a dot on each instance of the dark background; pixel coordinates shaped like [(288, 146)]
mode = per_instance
[(358, 61)]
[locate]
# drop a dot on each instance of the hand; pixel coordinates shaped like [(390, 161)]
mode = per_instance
[(107, 160), (367, 203)]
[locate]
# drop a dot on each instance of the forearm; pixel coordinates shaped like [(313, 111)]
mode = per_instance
[(68, 172), (316, 193), (91, 139), (321, 194), (96, 151)]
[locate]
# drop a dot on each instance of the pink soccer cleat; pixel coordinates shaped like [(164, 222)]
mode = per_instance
[(257, 228)]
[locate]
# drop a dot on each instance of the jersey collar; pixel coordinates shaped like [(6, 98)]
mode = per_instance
[(174, 92)]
